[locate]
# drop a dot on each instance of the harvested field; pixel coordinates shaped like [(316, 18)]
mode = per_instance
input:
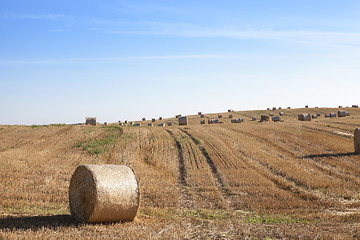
[(289, 179)]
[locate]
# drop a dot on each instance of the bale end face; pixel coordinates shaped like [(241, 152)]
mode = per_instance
[(103, 193)]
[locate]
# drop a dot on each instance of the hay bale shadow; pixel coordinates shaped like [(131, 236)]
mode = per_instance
[(37, 222)]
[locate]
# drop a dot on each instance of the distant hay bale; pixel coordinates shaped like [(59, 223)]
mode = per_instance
[(279, 108), (144, 119), (160, 118), (253, 119), (276, 119), (104, 193), (219, 116), (131, 123), (177, 116), (274, 108), (288, 107), (327, 115), (318, 114), (233, 120), (229, 110), (202, 122), (271, 114), (161, 124), (268, 109), (304, 117), (202, 116), (341, 114), (126, 121), (105, 123), (357, 140), (183, 120), (265, 118), (230, 116), (332, 115), (136, 124), (169, 123), (281, 114), (199, 113), (314, 116), (150, 124), (90, 121), (354, 106), (340, 106), (213, 121), (153, 120), (121, 124), (347, 113), (306, 106)]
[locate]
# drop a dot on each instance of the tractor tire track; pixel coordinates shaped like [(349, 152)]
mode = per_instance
[(219, 181)]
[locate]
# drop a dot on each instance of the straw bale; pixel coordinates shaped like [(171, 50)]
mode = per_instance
[(279, 108), (314, 116), (281, 114), (105, 123), (136, 124), (202, 122), (253, 119), (229, 110), (183, 120), (219, 116), (213, 121), (276, 119), (230, 116), (347, 113), (357, 140), (199, 113), (271, 114), (153, 120), (318, 114), (177, 116), (340, 106), (104, 193), (265, 118), (144, 119), (90, 121), (160, 118), (161, 124), (268, 109), (150, 124), (274, 108), (169, 123), (288, 107), (332, 115), (202, 116), (304, 117), (306, 106), (355, 106), (341, 114), (327, 115)]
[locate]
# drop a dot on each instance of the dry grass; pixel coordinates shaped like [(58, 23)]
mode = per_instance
[(251, 180)]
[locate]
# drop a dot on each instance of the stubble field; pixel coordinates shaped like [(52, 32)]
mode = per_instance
[(250, 180)]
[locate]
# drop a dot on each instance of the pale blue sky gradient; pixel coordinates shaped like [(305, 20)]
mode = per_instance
[(64, 60)]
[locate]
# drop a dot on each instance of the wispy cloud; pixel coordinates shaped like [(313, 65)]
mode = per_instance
[(38, 16), (112, 59)]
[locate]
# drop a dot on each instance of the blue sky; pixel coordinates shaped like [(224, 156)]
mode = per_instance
[(64, 60)]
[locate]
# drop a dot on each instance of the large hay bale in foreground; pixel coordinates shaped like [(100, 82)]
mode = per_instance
[(104, 193), (357, 140)]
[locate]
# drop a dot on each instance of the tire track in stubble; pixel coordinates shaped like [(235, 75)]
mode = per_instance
[(219, 181)]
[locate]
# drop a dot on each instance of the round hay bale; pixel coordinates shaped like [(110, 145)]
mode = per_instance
[(104, 193)]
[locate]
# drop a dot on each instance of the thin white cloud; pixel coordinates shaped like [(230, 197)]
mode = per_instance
[(38, 16), (85, 60)]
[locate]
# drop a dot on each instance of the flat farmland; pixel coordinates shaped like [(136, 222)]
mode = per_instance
[(249, 180)]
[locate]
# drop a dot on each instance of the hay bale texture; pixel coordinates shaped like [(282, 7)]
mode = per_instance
[(357, 140), (104, 193), (90, 121), (183, 120)]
